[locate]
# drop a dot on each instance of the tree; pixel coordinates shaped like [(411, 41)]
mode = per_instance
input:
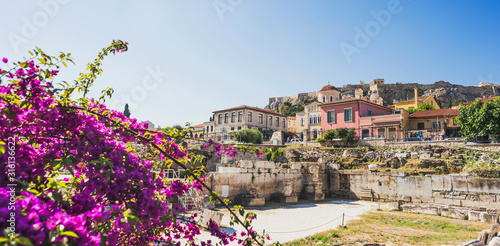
[(479, 119), (347, 135), (422, 107), (112, 196), (126, 112), (459, 101), (248, 135)]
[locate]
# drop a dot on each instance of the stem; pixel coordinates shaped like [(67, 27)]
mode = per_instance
[(169, 157)]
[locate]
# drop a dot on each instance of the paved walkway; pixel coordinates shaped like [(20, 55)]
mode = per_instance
[(290, 222)]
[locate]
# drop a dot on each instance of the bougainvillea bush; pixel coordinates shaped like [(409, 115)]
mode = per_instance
[(109, 195)]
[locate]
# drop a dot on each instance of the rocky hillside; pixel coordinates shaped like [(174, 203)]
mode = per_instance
[(444, 92)]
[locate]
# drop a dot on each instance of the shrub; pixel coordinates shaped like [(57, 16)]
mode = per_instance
[(248, 135)]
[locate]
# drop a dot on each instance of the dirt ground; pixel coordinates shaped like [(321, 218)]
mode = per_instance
[(284, 223)]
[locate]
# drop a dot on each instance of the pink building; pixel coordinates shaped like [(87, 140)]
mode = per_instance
[(369, 120)]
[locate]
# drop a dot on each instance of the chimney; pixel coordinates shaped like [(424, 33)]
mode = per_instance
[(416, 97)]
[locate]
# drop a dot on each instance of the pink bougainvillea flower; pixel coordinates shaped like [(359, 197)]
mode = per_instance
[(5, 60)]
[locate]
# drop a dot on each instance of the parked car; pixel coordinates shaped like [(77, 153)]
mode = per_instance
[(413, 139)]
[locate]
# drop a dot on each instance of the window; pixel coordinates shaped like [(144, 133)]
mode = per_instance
[(270, 120), (220, 118), (277, 121), (315, 120), (283, 121), (369, 112), (261, 119), (330, 116), (211, 128), (233, 116), (348, 115), (239, 128), (208, 128), (331, 98), (240, 116), (302, 121), (310, 120), (420, 126), (324, 99), (232, 128), (365, 133), (226, 118), (382, 113), (250, 117)]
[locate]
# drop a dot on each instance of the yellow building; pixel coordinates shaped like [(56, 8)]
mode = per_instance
[(415, 102)]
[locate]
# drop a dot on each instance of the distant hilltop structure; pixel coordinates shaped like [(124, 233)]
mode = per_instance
[(444, 93)]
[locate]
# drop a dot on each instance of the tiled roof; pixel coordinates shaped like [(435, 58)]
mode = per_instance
[(328, 88), (198, 126), (435, 113), (482, 100), (291, 117), (252, 108)]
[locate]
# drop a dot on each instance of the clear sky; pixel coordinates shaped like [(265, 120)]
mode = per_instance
[(189, 58)]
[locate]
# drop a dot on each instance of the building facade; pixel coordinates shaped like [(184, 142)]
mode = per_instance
[(368, 119), (291, 127), (434, 124), (415, 102), (308, 122), (228, 121)]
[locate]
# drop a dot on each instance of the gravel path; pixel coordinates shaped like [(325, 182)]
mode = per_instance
[(290, 222)]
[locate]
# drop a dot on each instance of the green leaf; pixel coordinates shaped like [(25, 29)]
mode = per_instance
[(69, 233), (23, 240)]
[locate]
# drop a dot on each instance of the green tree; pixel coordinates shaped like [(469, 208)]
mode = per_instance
[(423, 107), (459, 101), (479, 119), (248, 135), (330, 134)]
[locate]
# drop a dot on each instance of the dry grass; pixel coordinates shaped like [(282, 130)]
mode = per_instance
[(398, 228)]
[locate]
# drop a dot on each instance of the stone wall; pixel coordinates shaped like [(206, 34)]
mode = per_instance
[(458, 190), (264, 176)]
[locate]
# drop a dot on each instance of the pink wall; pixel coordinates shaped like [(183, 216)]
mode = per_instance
[(359, 110)]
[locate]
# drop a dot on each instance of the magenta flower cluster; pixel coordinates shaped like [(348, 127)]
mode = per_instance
[(113, 198)]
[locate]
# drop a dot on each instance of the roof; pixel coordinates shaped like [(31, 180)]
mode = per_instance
[(252, 108), (328, 88), (482, 100), (208, 122), (348, 100), (198, 126), (291, 117), (435, 113)]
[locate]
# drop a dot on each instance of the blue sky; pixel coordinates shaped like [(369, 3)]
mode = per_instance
[(189, 58)]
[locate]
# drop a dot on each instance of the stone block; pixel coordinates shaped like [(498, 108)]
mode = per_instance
[(490, 218), (285, 199), (488, 198), (373, 167), (252, 202), (296, 165), (495, 241), (414, 155), (392, 206), (228, 169), (246, 164), (425, 156), (474, 215), (409, 208), (264, 164), (208, 215), (243, 169), (401, 155), (436, 155), (473, 243), (425, 209)]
